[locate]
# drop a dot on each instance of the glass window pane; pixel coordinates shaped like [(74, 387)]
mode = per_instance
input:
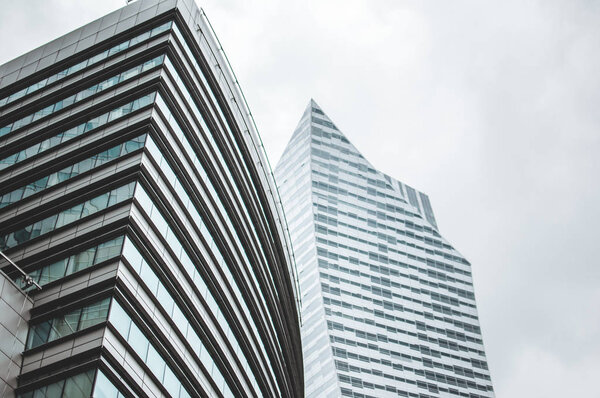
[(194, 341), (178, 316), (171, 382), (155, 362), (162, 226), (41, 392), (81, 260), (53, 272), (104, 388), (98, 57), (57, 139), (107, 155), (28, 394), (72, 132), (32, 150), (132, 255), (94, 314), (140, 38), (132, 72), (146, 100), (64, 174), (109, 82), (54, 389), (119, 319), (35, 275), (134, 144), (149, 277), (123, 193), (38, 334), (68, 101), (21, 235), (96, 204), (68, 216), (36, 186), (108, 250), (79, 386), (138, 341), (9, 160), (184, 394), (4, 200), (8, 241), (53, 179), (164, 298), (5, 130), (85, 165), (161, 28), (16, 195), (64, 325), (121, 111), (47, 224)]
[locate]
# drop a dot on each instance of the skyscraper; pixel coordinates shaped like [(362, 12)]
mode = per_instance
[(134, 190), (387, 303)]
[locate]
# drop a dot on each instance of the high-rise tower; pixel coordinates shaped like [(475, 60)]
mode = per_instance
[(387, 303), (135, 192)]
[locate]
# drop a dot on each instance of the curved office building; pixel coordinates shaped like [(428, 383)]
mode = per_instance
[(135, 191)]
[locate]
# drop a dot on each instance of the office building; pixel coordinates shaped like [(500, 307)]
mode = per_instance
[(388, 307), (135, 192)]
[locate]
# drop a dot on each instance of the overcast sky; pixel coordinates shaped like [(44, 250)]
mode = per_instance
[(493, 109)]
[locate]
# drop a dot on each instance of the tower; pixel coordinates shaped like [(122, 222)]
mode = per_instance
[(388, 306), (135, 192)]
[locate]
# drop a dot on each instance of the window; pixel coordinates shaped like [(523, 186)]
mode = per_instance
[(142, 346), (77, 386), (69, 323), (76, 131), (67, 216), (83, 64)]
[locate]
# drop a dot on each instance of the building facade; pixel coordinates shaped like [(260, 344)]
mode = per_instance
[(134, 190), (388, 306)]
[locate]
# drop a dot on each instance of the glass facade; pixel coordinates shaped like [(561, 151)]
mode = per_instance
[(67, 323), (81, 385), (83, 94), (77, 131), (140, 344), (77, 386), (133, 191), (74, 263), (65, 217), (72, 171), (388, 304), (86, 63)]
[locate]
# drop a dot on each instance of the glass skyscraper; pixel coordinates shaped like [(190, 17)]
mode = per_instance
[(387, 303), (135, 191)]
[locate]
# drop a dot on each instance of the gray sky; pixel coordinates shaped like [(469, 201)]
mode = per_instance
[(493, 109)]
